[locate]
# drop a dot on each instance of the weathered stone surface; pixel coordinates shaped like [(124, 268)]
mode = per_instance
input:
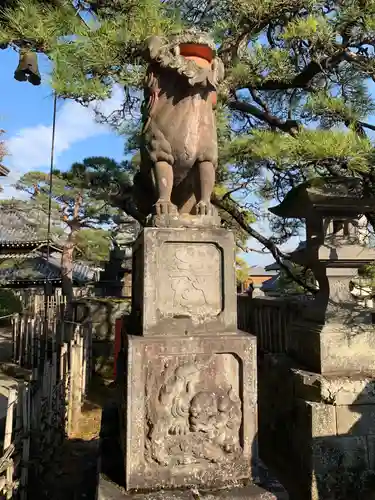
[(110, 485), (191, 411), (179, 151), (358, 420), (321, 417), (184, 282), (337, 390), (335, 452), (186, 220), (110, 491), (102, 313), (371, 452), (340, 468), (325, 445), (333, 349)]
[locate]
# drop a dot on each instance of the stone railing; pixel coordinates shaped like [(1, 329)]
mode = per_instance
[(269, 319)]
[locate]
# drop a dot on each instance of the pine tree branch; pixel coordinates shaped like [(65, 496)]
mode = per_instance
[(289, 126), (304, 78), (229, 206), (366, 125)]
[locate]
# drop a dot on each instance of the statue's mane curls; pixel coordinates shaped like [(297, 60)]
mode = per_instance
[(166, 53)]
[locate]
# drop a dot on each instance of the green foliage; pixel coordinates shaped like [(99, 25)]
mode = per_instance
[(316, 30), (287, 286), (79, 205), (310, 146), (261, 64), (295, 101), (73, 206), (9, 303), (242, 270), (88, 56), (94, 245)]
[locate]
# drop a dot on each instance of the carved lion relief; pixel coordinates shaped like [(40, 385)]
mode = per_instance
[(188, 422)]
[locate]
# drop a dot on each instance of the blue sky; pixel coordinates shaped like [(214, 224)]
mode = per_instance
[(26, 116)]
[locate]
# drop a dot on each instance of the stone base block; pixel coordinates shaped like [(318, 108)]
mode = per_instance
[(190, 412), (333, 349), (110, 491), (183, 282), (111, 487), (328, 438)]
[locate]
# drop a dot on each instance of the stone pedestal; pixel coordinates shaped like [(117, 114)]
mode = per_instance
[(189, 415), (184, 282), (333, 349), (328, 438), (335, 338), (191, 411)]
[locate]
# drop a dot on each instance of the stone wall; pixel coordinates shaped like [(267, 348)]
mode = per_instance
[(103, 314), (320, 430), (317, 430)]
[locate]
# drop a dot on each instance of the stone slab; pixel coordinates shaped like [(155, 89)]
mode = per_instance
[(184, 282), (190, 411), (345, 389), (110, 491), (185, 220), (329, 448), (358, 420), (333, 349)]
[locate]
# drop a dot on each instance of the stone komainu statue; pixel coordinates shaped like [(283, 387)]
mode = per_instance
[(179, 138)]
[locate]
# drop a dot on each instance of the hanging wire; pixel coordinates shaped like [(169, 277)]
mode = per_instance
[(52, 161)]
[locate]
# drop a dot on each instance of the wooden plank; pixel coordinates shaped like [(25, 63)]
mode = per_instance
[(12, 399), (26, 441)]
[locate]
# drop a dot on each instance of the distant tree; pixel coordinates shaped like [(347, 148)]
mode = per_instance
[(294, 103), (76, 213), (93, 245), (286, 285), (9, 303), (242, 270), (3, 150)]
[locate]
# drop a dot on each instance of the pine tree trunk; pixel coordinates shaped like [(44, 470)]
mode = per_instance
[(67, 267)]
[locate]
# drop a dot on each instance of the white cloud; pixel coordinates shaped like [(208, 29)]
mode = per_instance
[(30, 148)]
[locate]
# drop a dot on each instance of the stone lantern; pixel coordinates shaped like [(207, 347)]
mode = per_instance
[(335, 333)]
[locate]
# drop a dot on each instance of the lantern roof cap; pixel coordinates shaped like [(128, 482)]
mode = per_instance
[(328, 196)]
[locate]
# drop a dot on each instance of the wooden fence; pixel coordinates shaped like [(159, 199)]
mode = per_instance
[(43, 402)]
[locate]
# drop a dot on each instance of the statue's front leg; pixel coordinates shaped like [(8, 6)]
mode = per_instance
[(206, 183), (163, 180)]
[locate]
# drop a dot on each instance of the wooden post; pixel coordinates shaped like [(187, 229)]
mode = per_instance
[(12, 398), (15, 327), (26, 440), (74, 406)]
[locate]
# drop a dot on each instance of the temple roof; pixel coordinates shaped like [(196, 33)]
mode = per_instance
[(36, 270), (16, 230), (4, 171), (330, 196)]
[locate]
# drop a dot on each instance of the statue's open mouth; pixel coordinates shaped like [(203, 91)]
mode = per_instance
[(197, 51)]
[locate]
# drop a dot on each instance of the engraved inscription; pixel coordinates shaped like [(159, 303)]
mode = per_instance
[(194, 413), (191, 280)]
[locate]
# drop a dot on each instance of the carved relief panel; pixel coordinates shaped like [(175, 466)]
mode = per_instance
[(191, 418), (194, 410), (191, 274), (185, 283)]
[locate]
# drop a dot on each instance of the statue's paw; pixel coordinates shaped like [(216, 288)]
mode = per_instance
[(205, 208), (163, 207)]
